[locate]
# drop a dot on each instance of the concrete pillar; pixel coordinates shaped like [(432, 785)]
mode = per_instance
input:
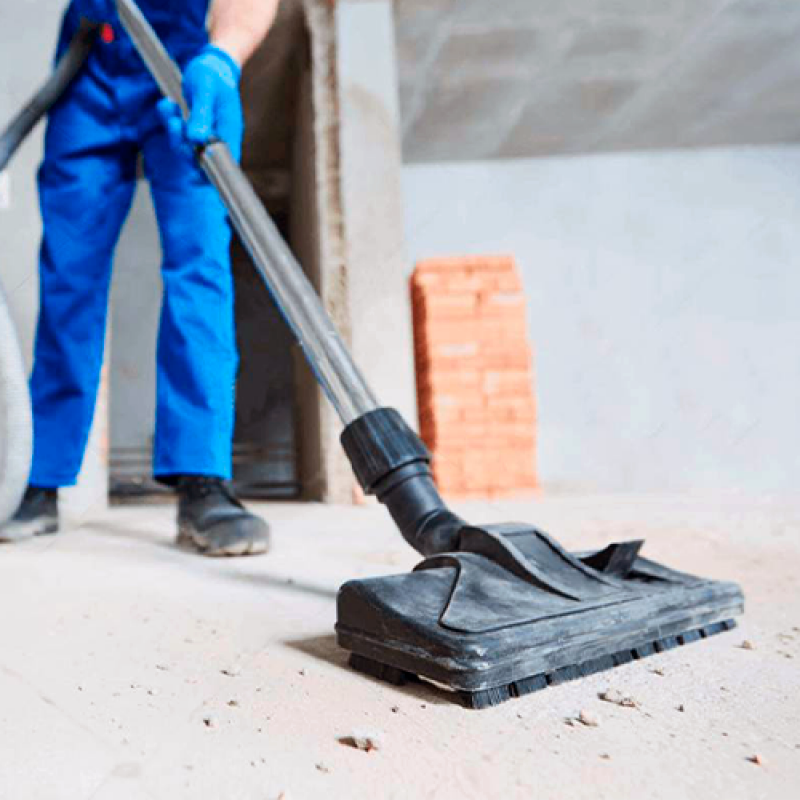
[(371, 181), (348, 219), (318, 239)]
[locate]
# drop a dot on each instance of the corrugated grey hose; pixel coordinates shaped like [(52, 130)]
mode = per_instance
[(15, 417), (15, 410)]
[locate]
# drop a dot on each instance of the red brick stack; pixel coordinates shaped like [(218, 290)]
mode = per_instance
[(474, 379)]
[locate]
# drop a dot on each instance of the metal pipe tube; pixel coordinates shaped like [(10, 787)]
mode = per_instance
[(299, 303), (324, 349)]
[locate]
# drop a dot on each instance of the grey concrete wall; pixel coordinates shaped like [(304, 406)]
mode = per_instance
[(663, 306), (528, 78)]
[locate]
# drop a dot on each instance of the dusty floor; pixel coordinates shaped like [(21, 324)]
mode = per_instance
[(129, 669)]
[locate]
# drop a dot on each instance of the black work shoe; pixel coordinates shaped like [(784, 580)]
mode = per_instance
[(212, 521), (36, 515)]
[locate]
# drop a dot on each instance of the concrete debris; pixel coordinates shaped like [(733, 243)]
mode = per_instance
[(322, 768), (618, 699), (747, 645), (233, 703), (658, 671), (209, 722), (756, 759), (605, 756), (587, 719), (395, 709), (363, 740), (682, 708), (232, 672)]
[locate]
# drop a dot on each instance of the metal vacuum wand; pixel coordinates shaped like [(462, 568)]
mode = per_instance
[(300, 305)]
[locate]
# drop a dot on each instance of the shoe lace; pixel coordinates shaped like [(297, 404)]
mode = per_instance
[(198, 487)]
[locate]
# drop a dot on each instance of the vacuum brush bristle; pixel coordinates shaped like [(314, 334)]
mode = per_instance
[(487, 698), (494, 696)]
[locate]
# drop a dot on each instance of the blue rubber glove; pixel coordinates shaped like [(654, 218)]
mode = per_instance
[(211, 89)]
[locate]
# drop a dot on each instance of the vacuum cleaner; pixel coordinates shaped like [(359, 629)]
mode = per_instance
[(494, 611)]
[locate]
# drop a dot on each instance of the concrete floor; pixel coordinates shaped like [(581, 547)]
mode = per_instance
[(129, 669)]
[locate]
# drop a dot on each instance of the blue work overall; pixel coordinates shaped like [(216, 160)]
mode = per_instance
[(86, 185)]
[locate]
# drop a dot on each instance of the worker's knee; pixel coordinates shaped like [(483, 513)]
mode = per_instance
[(195, 234)]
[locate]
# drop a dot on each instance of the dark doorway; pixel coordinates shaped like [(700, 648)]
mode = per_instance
[(265, 440)]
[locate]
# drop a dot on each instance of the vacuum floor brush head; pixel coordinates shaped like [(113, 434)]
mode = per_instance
[(510, 612)]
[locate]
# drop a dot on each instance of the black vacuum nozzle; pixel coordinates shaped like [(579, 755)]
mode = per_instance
[(391, 462), (499, 611), (510, 612)]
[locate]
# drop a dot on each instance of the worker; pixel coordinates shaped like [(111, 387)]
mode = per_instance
[(108, 116)]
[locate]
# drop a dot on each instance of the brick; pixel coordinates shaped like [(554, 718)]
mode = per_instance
[(515, 383), (502, 303), (526, 416), (458, 382), (505, 282), (447, 331), (439, 264), (444, 402), (449, 306), (474, 356), (425, 281), (468, 283), (497, 263), (430, 415), (474, 379), (465, 494), (438, 364), (510, 331), (525, 402), (455, 350), (501, 360), (516, 493)]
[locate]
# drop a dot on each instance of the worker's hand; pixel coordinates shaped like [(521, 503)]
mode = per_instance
[(211, 89)]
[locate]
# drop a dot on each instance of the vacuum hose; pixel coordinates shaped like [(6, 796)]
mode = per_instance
[(67, 68), (15, 417), (391, 462)]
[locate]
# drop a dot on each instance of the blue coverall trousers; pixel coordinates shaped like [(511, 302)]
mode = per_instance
[(86, 184)]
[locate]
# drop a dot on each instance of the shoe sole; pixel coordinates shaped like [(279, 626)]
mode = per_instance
[(189, 539), (21, 531)]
